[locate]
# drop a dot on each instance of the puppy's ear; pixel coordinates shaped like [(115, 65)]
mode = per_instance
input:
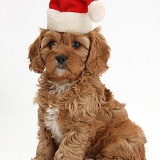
[(36, 62), (99, 53)]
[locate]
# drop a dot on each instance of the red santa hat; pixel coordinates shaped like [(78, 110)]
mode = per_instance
[(74, 15)]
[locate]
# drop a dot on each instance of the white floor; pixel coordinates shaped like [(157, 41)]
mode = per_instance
[(132, 31)]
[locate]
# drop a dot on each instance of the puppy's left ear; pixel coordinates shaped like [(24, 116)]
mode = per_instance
[(99, 53)]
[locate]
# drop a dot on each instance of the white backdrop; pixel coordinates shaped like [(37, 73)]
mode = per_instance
[(132, 29)]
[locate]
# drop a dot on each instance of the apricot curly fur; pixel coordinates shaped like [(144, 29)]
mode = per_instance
[(78, 117)]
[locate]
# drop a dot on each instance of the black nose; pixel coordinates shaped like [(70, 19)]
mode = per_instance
[(61, 58)]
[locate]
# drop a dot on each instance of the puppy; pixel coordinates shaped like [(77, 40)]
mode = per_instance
[(78, 117)]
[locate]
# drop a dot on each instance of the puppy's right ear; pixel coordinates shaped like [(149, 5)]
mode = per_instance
[(36, 62)]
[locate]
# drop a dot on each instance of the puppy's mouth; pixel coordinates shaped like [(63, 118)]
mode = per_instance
[(61, 69), (61, 66)]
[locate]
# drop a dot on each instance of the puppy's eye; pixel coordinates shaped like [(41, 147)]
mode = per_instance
[(76, 44), (51, 43)]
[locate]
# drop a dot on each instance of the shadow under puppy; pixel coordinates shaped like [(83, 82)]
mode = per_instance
[(78, 117)]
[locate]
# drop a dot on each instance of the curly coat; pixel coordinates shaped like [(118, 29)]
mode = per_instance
[(78, 116)]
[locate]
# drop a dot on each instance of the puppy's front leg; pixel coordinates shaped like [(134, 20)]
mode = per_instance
[(46, 147), (75, 144)]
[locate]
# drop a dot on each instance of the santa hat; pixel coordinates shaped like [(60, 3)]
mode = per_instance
[(74, 15)]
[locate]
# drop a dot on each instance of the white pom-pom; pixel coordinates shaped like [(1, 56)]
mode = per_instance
[(96, 11)]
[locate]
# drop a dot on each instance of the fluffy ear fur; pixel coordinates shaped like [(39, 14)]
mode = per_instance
[(99, 53), (36, 62)]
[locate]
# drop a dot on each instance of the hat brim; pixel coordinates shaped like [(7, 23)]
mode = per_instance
[(68, 21)]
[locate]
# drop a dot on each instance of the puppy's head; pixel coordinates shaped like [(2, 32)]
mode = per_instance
[(67, 55)]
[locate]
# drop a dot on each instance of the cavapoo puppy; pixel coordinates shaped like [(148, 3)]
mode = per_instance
[(78, 117)]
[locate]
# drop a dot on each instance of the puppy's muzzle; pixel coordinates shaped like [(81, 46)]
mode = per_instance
[(61, 58)]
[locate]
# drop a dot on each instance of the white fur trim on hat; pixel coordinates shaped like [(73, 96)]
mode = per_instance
[(68, 21)]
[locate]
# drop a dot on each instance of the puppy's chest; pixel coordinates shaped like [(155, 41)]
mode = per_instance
[(52, 118), (51, 122)]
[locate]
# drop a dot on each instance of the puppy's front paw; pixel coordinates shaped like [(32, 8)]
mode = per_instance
[(64, 155), (88, 158), (59, 155)]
